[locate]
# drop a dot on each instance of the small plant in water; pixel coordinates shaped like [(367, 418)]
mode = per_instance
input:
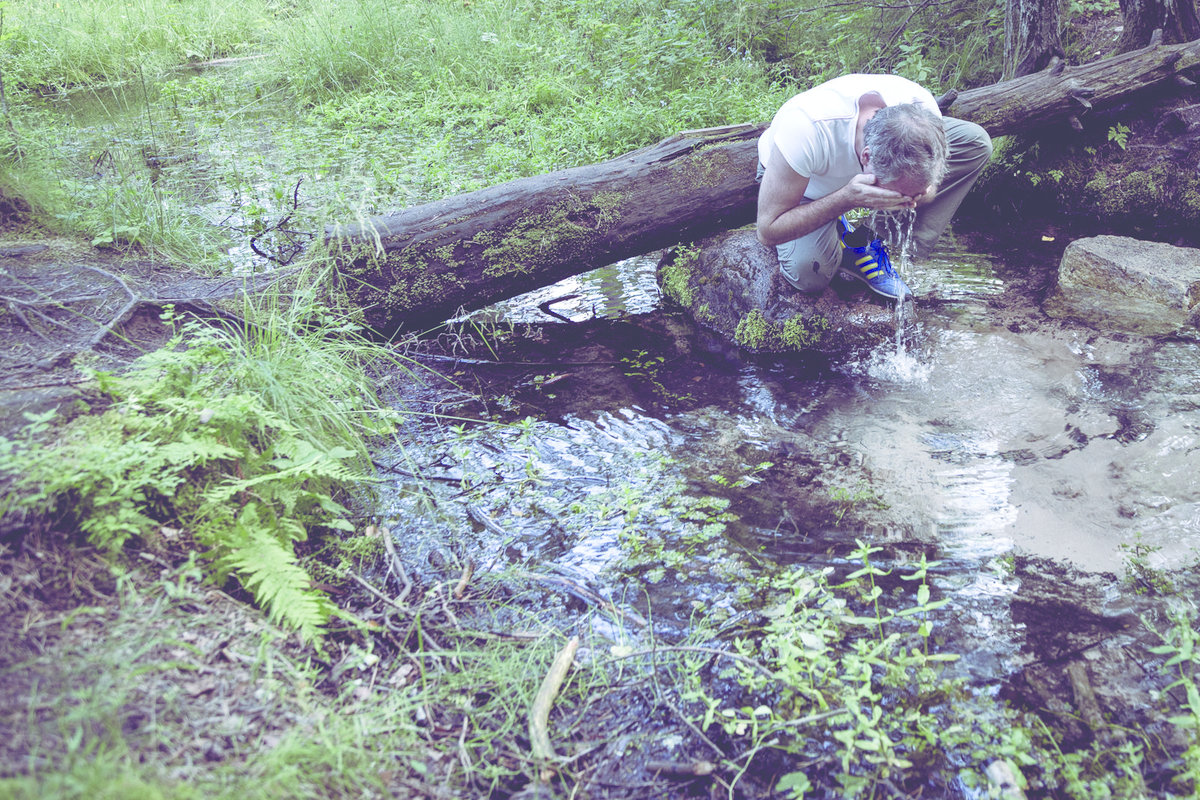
[(1144, 578)]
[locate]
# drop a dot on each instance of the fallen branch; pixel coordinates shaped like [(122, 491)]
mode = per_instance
[(539, 713)]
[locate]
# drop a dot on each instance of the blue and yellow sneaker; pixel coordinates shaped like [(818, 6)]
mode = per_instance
[(866, 259)]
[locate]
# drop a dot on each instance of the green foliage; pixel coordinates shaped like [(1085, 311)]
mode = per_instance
[(1119, 135), (1138, 571), (50, 44), (869, 683), (1181, 646), (242, 437)]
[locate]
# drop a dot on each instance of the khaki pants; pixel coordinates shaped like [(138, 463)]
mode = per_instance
[(810, 262)]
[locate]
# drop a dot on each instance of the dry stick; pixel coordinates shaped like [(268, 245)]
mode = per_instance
[(363, 583), (539, 713), (396, 566), (120, 315), (585, 594), (465, 580)]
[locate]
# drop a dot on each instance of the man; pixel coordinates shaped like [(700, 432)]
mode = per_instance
[(877, 142)]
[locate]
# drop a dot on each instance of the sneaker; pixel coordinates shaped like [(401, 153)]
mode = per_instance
[(866, 259)]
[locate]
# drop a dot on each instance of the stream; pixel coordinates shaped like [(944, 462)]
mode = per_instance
[(1049, 468)]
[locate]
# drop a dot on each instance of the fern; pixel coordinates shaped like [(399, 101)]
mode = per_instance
[(268, 568), (204, 435)]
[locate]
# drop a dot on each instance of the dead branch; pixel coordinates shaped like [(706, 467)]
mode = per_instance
[(539, 713)]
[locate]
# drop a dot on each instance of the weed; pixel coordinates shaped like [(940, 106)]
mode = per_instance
[(1138, 572), (1119, 135)]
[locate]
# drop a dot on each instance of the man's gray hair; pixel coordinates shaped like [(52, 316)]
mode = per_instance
[(906, 140)]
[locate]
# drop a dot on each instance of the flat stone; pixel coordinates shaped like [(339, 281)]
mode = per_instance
[(731, 283), (1120, 283)]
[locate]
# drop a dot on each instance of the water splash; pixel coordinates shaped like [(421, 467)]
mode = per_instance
[(902, 363)]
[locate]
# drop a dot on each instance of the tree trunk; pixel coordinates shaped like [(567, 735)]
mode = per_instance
[(1031, 39), (422, 265), (1175, 18), (1061, 94)]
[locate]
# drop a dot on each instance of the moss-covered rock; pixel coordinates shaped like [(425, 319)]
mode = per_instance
[(731, 284)]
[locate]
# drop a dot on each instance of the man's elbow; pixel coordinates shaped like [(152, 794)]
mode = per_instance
[(763, 232)]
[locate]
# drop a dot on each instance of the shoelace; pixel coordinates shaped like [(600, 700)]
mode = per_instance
[(880, 251)]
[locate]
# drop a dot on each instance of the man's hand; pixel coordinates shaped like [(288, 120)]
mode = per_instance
[(867, 193)]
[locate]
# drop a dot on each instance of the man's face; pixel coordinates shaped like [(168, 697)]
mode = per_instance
[(908, 186)]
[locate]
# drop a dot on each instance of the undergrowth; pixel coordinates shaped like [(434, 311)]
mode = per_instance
[(239, 440)]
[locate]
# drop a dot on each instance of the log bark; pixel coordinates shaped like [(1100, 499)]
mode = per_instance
[(419, 266), (1059, 93)]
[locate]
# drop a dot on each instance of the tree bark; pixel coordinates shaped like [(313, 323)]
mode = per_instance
[(1175, 18), (1059, 93), (1031, 36), (422, 265)]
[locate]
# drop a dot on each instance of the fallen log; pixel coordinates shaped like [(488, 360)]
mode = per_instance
[(422, 265), (1060, 94)]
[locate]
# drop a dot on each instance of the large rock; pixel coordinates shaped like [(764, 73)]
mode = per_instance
[(731, 283), (1114, 282)]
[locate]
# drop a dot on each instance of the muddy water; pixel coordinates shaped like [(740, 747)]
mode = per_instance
[(985, 435)]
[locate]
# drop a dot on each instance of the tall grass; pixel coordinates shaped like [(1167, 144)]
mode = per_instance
[(51, 44)]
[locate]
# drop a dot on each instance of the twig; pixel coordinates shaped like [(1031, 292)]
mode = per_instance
[(708, 650), (539, 713), (444, 598), (397, 471), (120, 315), (396, 567), (585, 594), (691, 725), (675, 769), (363, 583), (464, 581), (476, 513)]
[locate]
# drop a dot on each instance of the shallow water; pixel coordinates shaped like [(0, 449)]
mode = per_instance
[(978, 438)]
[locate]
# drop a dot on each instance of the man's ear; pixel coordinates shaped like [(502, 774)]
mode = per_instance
[(864, 158)]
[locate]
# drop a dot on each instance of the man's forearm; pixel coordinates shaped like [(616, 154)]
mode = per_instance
[(805, 218)]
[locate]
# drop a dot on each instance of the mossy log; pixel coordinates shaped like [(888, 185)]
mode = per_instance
[(419, 266)]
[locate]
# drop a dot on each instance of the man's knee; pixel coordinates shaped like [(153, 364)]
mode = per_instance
[(969, 142), (807, 277)]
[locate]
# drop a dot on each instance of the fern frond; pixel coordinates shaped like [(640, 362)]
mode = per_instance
[(268, 568)]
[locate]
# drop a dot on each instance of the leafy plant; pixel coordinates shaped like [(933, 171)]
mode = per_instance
[(1119, 135), (1138, 572), (245, 438), (871, 695)]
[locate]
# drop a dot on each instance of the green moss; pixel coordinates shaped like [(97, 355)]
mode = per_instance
[(799, 334), (676, 276), (705, 167), (796, 334), (538, 239), (753, 331)]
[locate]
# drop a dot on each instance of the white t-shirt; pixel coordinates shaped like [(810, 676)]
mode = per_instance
[(815, 129)]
